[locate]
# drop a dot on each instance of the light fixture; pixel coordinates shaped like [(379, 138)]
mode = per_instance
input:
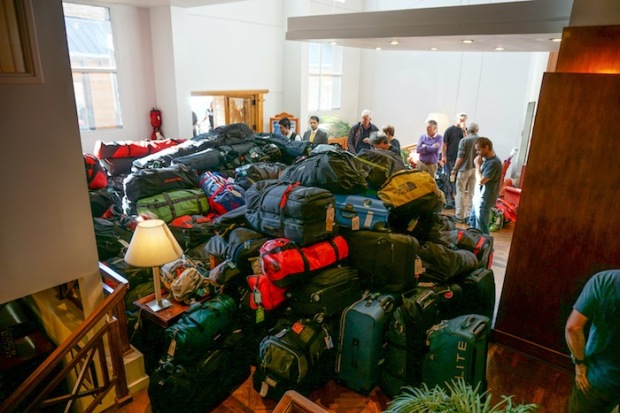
[(468, 41), (499, 48), (433, 48), (152, 245), (333, 43), (378, 48), (394, 42), (556, 39)]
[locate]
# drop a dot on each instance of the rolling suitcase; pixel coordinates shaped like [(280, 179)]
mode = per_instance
[(458, 350), (386, 261), (360, 212), (362, 335), (326, 294)]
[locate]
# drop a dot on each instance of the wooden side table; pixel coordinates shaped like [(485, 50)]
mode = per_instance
[(164, 318)]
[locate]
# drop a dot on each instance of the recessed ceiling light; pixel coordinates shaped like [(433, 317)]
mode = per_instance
[(468, 41), (433, 48), (556, 39), (499, 48), (377, 48), (394, 42), (333, 43)]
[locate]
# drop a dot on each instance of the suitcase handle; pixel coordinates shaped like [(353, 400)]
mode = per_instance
[(480, 325)]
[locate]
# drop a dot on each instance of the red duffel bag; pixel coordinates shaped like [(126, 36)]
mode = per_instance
[(285, 262), (132, 149), (263, 293)]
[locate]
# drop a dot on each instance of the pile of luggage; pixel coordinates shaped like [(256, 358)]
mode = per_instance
[(320, 265)]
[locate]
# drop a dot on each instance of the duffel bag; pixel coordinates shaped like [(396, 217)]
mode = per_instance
[(148, 182), (443, 263), (265, 153), (224, 273), (118, 166), (386, 261), (380, 165), (111, 237), (410, 193), (336, 170), (286, 262), (173, 204), (197, 329), (233, 156), (243, 244), (223, 196), (205, 160), (101, 202), (302, 214), (290, 150), (95, 173), (165, 156), (264, 293), (249, 174), (132, 149), (474, 240), (298, 356), (192, 230)]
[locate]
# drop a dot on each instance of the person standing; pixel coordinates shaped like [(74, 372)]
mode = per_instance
[(488, 170), (429, 147), (451, 139), (464, 174), (597, 358), (315, 135), (359, 136)]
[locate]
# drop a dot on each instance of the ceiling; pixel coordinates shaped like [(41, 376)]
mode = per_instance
[(518, 26)]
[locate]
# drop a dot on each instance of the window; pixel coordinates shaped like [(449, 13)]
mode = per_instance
[(324, 76), (93, 64)]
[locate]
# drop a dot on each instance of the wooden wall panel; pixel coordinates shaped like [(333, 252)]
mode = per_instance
[(593, 49), (569, 220)]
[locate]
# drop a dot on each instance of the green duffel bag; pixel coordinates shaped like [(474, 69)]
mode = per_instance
[(173, 204), (198, 331)]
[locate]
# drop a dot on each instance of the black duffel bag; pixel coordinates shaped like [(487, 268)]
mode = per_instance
[(249, 174), (207, 160), (290, 150), (443, 263), (380, 165), (298, 213), (148, 182), (336, 170)]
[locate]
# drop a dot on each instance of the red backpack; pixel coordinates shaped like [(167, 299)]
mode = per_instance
[(95, 174)]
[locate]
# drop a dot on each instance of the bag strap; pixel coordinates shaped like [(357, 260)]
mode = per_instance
[(283, 202)]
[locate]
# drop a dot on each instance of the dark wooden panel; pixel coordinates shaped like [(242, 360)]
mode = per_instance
[(569, 225), (590, 50)]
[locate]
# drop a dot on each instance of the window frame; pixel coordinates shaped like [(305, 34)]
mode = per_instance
[(321, 74), (114, 71)]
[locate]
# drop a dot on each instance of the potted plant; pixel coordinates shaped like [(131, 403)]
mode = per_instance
[(335, 127), (459, 397)]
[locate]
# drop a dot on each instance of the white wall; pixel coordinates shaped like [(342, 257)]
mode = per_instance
[(402, 88), (132, 36), (46, 232)]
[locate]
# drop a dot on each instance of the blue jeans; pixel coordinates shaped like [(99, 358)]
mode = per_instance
[(480, 216)]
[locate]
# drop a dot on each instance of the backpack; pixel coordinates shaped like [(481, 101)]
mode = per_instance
[(223, 196), (95, 173)]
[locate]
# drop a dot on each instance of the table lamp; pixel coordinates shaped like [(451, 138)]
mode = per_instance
[(153, 245)]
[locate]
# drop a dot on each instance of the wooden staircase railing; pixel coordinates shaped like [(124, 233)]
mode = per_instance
[(86, 351)]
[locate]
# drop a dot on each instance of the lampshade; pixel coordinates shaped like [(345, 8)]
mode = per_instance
[(152, 245), (442, 121)]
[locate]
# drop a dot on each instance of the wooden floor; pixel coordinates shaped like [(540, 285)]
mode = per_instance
[(508, 373)]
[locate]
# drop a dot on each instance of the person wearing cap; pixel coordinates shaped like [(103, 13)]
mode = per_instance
[(451, 138)]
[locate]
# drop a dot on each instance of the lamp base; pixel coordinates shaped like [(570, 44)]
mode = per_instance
[(158, 306)]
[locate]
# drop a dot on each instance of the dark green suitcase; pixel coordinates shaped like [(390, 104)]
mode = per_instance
[(458, 350)]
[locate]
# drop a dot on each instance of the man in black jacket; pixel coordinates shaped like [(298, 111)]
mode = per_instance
[(359, 136), (315, 135)]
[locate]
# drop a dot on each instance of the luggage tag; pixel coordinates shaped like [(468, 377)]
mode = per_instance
[(172, 347), (260, 314), (355, 223), (329, 343), (412, 224), (418, 267), (330, 218), (297, 327)]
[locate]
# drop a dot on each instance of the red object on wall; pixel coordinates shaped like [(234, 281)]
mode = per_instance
[(156, 124)]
